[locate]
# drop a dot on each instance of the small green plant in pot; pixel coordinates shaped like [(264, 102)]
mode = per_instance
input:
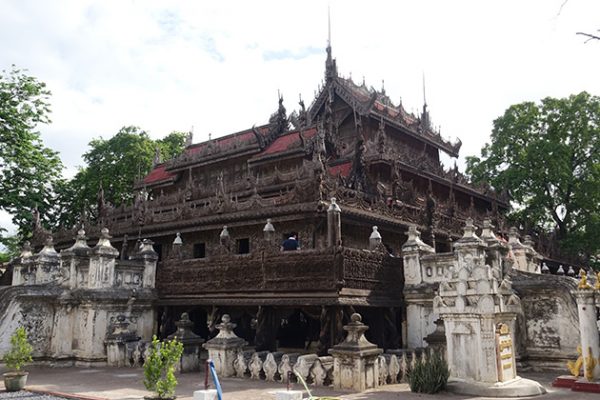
[(18, 355), (159, 367)]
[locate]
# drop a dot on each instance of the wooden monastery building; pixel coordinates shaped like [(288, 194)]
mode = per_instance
[(219, 213)]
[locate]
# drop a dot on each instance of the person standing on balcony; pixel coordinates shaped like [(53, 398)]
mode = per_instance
[(291, 243)]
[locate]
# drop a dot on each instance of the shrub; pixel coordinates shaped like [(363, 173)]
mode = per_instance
[(159, 367), (429, 376), (20, 350)]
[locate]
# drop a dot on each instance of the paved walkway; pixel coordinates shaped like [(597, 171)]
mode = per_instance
[(126, 383)]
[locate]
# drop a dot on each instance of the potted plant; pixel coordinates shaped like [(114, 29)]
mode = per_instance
[(159, 368), (18, 355)]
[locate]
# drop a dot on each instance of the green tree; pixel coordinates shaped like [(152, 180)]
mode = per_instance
[(547, 156), (28, 169), (113, 166)]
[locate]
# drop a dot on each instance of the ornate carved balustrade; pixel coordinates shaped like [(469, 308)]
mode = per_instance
[(266, 277)]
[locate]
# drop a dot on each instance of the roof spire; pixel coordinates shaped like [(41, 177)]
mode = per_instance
[(424, 98), (328, 26), (425, 121), (330, 67)]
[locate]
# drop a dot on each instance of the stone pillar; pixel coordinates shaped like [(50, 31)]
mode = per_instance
[(355, 360), (590, 342), (23, 265), (73, 257), (334, 224), (190, 359), (223, 348), (150, 258), (418, 302), (102, 263), (47, 264), (518, 250)]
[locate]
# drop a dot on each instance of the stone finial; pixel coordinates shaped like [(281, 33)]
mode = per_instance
[(469, 229), (414, 241), (177, 241), (571, 271), (269, 230), (269, 227), (147, 248), (26, 251), (374, 239), (413, 234), (80, 246), (226, 327), (104, 246), (48, 249), (104, 239), (545, 269), (528, 241), (487, 231), (355, 339), (560, 270), (513, 236), (333, 206), (224, 236), (184, 330)]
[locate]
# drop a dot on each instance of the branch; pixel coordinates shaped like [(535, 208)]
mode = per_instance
[(589, 36)]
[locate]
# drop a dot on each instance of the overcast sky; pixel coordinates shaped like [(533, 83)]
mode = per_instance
[(217, 67)]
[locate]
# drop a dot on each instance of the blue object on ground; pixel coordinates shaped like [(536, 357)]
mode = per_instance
[(215, 378)]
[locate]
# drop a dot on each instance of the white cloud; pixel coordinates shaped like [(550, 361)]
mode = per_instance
[(170, 65)]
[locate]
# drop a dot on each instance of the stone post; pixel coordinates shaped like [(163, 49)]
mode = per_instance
[(102, 262), (355, 360), (47, 264), (190, 360), (590, 342), (418, 303), (150, 258), (334, 224), (223, 348)]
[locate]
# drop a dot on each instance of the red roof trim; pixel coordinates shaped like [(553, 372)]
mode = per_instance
[(340, 169), (158, 174), (285, 142)]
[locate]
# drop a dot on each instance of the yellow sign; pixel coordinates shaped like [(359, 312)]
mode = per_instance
[(504, 353)]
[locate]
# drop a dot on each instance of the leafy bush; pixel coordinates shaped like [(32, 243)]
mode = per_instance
[(159, 367), (20, 350), (429, 376)]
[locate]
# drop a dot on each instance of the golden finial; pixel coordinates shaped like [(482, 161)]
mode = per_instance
[(583, 283)]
